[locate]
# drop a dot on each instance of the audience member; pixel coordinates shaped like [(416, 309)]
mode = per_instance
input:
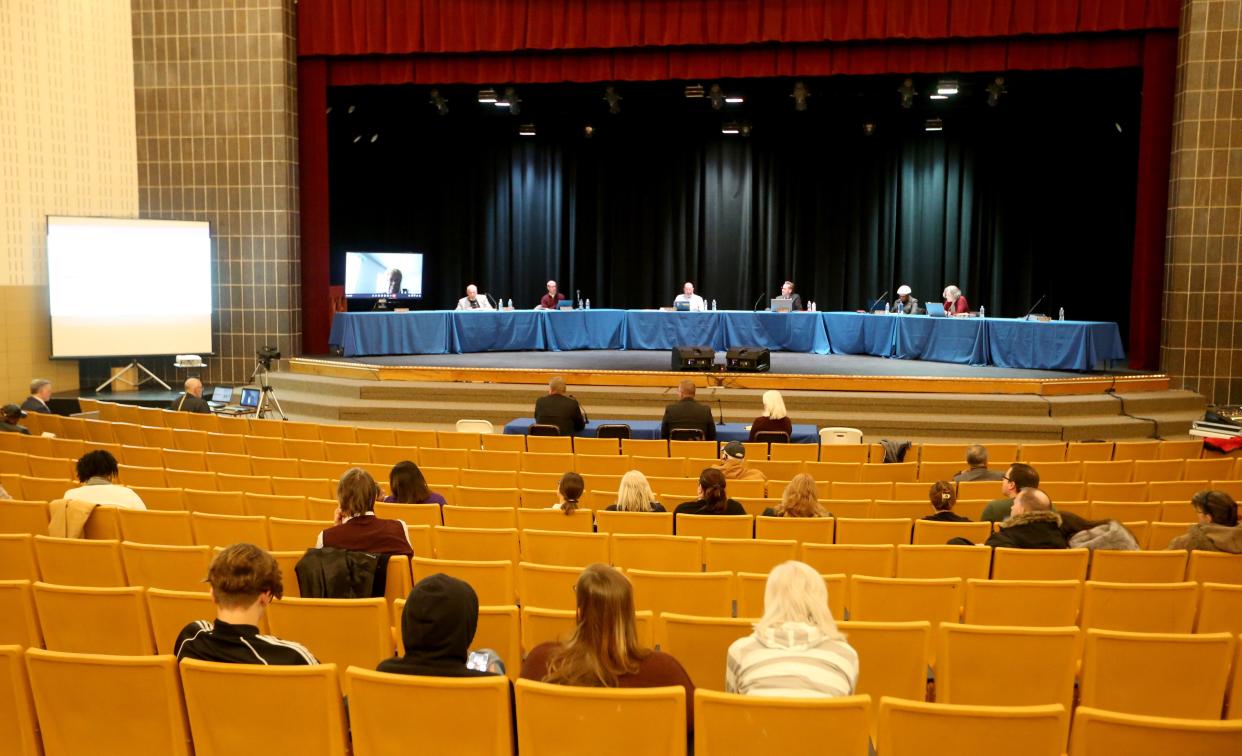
[(977, 466), (796, 650), (97, 471), (733, 464), (438, 624), (409, 486), (712, 497), (635, 495), (799, 499), (1110, 535), (40, 394), (687, 413), (943, 496), (774, 417), (559, 409), (355, 526), (192, 399), (1217, 528), (569, 492), (244, 579), (9, 424), (1018, 476), (1031, 525), (603, 651)]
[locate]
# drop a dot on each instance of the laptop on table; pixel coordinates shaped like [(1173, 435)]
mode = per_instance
[(248, 404), (220, 397), (935, 310)]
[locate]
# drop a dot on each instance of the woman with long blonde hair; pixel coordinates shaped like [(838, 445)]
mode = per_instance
[(774, 417), (635, 495), (799, 499)]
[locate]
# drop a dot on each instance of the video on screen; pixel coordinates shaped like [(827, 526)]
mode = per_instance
[(383, 275)]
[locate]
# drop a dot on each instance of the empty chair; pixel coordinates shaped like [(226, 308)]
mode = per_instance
[(838, 435), (156, 527), (19, 621), (225, 530), (265, 505), (94, 620), (293, 535), (704, 594), (566, 549), (75, 561), (488, 497), (653, 552), (493, 582), (557, 625), (1120, 492), (18, 724), (800, 529), (580, 521), (1040, 564), (932, 729), (171, 611), (277, 466), (874, 599), (1214, 567), (1101, 733), (1023, 603), (81, 710), (1125, 512), (177, 568), (1208, 469), (480, 517), (547, 586), (726, 723), (215, 502), (1108, 472), (634, 523), (715, 526), (1220, 610), (943, 561), (877, 560), (1138, 566), (746, 555), (221, 700), (17, 557), (1006, 666), (475, 544), (1139, 607), (227, 462), (49, 489), (892, 659), (650, 721), (701, 644), (1154, 674), (856, 531), (337, 631), (1132, 450), (24, 517), (932, 533)]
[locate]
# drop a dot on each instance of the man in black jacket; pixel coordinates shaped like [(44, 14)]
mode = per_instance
[(560, 409), (687, 413), (1031, 525), (192, 399)]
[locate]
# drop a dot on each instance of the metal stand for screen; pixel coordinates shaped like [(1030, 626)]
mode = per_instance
[(137, 366)]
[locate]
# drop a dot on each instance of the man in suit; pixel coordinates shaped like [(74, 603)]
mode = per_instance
[(40, 393), (192, 399), (560, 409), (687, 413), (795, 300), (472, 300)]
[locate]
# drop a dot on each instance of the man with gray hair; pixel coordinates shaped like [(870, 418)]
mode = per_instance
[(192, 399), (40, 393), (560, 409), (472, 300), (977, 466), (1031, 525)]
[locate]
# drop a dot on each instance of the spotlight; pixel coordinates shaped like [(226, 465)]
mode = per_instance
[(946, 87), (716, 95), (487, 96), (800, 94), (907, 92), (868, 128), (374, 138), (933, 124), (735, 100), (513, 101), (350, 109), (938, 97), (526, 129), (613, 99), (694, 91), (734, 127), (328, 111), (357, 138), (439, 102), (588, 131), (995, 90)]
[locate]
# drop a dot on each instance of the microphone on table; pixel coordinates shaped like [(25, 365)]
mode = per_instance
[(877, 300), (1037, 303), (757, 301)]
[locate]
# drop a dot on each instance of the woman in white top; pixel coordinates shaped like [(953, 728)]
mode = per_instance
[(97, 471), (569, 492), (796, 649)]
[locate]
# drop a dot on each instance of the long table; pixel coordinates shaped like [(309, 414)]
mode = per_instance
[(1055, 345), (650, 429)]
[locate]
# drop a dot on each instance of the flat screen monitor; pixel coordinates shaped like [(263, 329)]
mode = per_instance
[(383, 275), (250, 398), (119, 287)]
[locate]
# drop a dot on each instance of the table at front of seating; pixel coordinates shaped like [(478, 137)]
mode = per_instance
[(650, 429)]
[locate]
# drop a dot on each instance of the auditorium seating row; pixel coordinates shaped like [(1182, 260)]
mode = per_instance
[(208, 709)]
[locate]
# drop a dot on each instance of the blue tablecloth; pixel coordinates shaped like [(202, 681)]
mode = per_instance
[(959, 340), (859, 333), (653, 329), (649, 429), (393, 333), (585, 329), (786, 332), (492, 331), (1054, 345)]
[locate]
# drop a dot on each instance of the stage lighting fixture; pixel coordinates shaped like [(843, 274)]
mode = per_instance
[(526, 129), (800, 95), (907, 92), (995, 90), (736, 128), (933, 124), (735, 100), (613, 99), (350, 109), (717, 96), (588, 131), (512, 101), (694, 90), (328, 110), (357, 138), (946, 87), (374, 138), (487, 96), (440, 103), (868, 128)]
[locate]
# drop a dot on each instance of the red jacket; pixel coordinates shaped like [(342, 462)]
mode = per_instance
[(961, 305)]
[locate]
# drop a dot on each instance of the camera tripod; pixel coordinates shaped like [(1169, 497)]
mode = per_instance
[(267, 398)]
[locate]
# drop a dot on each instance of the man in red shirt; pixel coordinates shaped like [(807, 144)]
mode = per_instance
[(551, 298)]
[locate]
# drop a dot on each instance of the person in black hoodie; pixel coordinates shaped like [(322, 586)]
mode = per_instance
[(437, 627), (1031, 525)]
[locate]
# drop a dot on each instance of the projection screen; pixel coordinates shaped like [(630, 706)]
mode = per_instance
[(127, 288)]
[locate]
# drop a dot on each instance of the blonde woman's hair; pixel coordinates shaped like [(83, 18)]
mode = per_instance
[(634, 494), (796, 593), (774, 405), (800, 498), (604, 646)]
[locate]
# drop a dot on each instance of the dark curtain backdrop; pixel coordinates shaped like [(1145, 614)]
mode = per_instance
[(1034, 197)]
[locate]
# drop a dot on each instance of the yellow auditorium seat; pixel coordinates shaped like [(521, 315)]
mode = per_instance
[(792, 452), (90, 703), (471, 496), (291, 535), (103, 524), (307, 487), (202, 481), (1103, 733), (322, 469), (1138, 566), (1175, 490), (704, 594), (552, 464), (615, 721), (304, 449), (350, 452), (541, 625), (842, 453), (49, 489), (18, 727), (1118, 492), (177, 568), (214, 502), (888, 509), (777, 470), (695, 450), (748, 489), (601, 464), (173, 610), (228, 463), (1161, 533), (1139, 607), (800, 529), (547, 586), (657, 552), (17, 557), (856, 491), (1208, 469), (475, 544), (701, 644), (278, 466), (565, 549), (77, 561), (247, 484), (20, 517), (1108, 472), (875, 599), (878, 560), (580, 521), (963, 562), (180, 459), (479, 517), (158, 438), (1185, 449), (539, 445), (1154, 674), (500, 629), (19, 620), (492, 581), (744, 555), (751, 587), (756, 507), (410, 514), (436, 457), (931, 729), (904, 472), (872, 531), (337, 631), (934, 533), (1158, 469), (455, 440), (892, 659), (415, 438), (942, 452), (1006, 666), (1214, 567), (715, 526), (1134, 450), (642, 447), (265, 447), (1034, 454), (390, 455), (1023, 603), (1039, 564), (481, 459), (268, 505), (54, 468), (595, 446), (450, 715), (673, 491), (226, 530), (229, 443), (94, 620), (734, 725), (155, 526), (1124, 511), (221, 700), (831, 472)]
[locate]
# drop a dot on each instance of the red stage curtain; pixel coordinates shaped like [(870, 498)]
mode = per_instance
[(313, 202)]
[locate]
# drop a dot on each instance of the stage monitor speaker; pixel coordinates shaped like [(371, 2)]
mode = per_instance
[(748, 360), (693, 357)]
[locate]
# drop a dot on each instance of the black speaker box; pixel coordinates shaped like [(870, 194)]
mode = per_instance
[(693, 357), (748, 360)]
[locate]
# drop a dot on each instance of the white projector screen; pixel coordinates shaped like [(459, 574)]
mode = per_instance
[(127, 288)]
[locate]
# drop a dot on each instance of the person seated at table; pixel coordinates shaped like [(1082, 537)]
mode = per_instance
[(635, 495), (774, 417), (799, 499), (733, 463), (560, 409), (905, 304), (687, 413), (408, 486), (569, 492), (472, 300), (713, 500), (977, 466), (1217, 528), (954, 301), (943, 496), (551, 298), (795, 300), (687, 296)]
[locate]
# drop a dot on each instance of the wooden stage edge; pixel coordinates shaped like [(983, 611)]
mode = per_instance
[(912, 384)]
